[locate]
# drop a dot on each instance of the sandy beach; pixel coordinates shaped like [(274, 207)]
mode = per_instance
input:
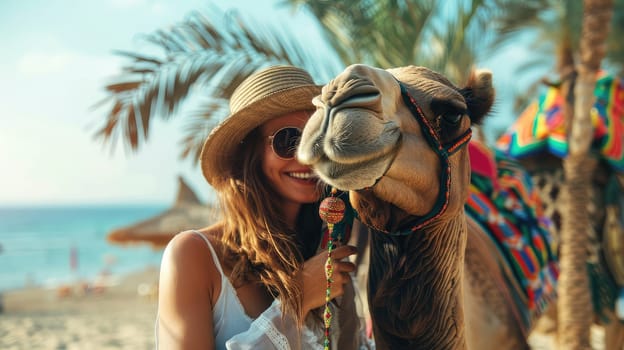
[(120, 316), (546, 341), (115, 317)]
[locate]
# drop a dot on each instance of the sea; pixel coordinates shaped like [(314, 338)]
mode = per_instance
[(47, 246)]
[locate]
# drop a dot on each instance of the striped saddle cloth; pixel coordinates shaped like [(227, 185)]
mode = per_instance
[(502, 200)]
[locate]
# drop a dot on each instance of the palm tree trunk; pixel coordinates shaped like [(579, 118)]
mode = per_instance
[(575, 308)]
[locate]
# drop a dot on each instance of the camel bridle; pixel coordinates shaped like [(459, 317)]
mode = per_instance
[(444, 151)]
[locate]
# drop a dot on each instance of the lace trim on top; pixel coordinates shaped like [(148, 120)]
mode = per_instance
[(277, 338)]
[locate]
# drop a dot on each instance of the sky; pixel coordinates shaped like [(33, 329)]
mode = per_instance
[(57, 55)]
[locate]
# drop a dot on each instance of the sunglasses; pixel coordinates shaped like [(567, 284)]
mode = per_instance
[(284, 142)]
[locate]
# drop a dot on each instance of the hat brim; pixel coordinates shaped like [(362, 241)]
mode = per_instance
[(218, 153)]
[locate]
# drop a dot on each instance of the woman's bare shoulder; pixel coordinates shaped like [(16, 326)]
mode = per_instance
[(187, 262), (190, 253), (191, 242)]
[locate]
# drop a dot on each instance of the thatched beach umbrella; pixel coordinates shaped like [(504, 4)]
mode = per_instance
[(186, 213)]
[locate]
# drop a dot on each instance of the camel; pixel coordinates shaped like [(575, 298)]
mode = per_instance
[(543, 161), (396, 141)]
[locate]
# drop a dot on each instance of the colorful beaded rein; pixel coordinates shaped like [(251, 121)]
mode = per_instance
[(331, 210)]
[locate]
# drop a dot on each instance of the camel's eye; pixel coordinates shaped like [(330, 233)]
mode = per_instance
[(449, 126), (450, 113), (452, 119)]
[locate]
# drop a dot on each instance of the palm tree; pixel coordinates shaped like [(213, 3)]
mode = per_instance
[(210, 54), (574, 291)]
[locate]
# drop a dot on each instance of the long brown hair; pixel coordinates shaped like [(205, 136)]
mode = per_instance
[(258, 244)]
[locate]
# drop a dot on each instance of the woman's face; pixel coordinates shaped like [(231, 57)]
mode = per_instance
[(296, 183)]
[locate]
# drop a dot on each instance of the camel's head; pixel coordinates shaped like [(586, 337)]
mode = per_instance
[(393, 138)]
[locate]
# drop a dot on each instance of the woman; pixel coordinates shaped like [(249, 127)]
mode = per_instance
[(243, 283)]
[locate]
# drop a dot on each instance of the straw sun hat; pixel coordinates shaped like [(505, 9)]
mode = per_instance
[(264, 95)]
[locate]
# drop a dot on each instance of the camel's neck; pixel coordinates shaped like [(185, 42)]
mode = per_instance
[(415, 287)]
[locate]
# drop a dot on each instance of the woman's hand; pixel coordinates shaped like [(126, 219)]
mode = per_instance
[(315, 282)]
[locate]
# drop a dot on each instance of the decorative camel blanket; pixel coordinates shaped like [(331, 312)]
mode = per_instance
[(541, 126), (502, 200)]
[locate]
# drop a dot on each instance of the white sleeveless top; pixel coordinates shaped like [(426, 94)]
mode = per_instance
[(228, 315)]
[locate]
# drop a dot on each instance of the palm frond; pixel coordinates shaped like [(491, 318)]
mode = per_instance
[(381, 33), (516, 17), (553, 23), (200, 124), (211, 53)]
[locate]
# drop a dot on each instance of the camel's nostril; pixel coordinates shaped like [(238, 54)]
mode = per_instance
[(368, 100)]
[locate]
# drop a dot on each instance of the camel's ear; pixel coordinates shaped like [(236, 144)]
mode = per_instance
[(479, 94)]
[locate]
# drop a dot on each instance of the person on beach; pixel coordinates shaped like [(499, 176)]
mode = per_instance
[(256, 280)]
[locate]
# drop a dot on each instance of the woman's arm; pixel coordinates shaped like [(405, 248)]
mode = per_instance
[(188, 279)]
